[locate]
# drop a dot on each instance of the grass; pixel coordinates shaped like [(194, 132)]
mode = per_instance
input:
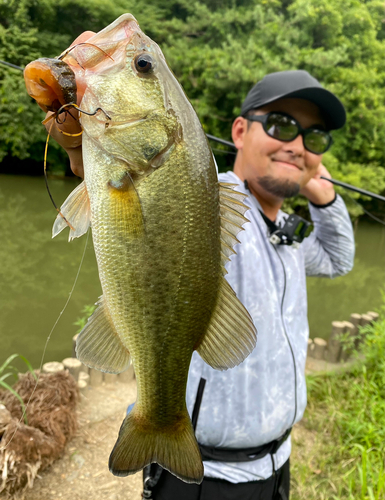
[(344, 429), (7, 370), (87, 312)]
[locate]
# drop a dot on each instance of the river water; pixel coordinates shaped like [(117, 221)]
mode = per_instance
[(38, 273)]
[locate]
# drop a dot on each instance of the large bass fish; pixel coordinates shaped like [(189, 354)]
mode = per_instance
[(163, 228)]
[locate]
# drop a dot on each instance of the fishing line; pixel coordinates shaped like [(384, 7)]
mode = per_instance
[(66, 52), (48, 339), (366, 211), (223, 151), (46, 178)]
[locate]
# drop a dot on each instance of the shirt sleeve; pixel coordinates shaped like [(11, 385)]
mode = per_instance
[(329, 250)]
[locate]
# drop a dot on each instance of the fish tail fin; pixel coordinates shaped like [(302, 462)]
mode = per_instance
[(174, 448)]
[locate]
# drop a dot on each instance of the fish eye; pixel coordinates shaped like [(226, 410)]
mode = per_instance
[(144, 63)]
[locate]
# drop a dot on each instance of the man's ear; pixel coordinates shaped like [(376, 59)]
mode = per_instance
[(238, 131)]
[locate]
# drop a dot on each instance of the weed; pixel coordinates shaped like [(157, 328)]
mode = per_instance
[(7, 370), (81, 322), (346, 412)]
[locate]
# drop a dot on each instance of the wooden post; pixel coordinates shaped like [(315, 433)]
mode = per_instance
[(53, 367), (110, 378), (310, 347), (82, 384), (83, 368), (319, 348), (356, 320), (127, 375), (84, 376), (350, 329), (334, 342), (96, 377), (73, 365), (374, 315), (366, 319), (74, 345)]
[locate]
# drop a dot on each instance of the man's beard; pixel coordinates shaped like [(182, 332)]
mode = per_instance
[(279, 187)]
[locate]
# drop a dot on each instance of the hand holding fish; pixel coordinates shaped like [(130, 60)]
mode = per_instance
[(71, 143)]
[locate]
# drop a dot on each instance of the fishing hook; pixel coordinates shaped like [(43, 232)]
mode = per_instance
[(71, 104)]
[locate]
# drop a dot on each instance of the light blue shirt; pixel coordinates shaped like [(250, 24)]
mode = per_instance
[(257, 401)]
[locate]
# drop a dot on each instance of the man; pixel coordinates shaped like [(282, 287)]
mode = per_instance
[(280, 136), (243, 416)]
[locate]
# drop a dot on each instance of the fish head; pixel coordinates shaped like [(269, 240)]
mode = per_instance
[(133, 101)]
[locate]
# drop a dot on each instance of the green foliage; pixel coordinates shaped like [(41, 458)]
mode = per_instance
[(348, 410), (81, 322), (7, 370), (218, 50)]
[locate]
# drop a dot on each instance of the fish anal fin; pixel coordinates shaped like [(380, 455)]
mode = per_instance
[(174, 448), (98, 344), (231, 335), (77, 211)]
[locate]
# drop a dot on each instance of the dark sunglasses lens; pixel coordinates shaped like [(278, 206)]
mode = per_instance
[(317, 141), (281, 127)]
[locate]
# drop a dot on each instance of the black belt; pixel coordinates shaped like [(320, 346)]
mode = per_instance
[(152, 472), (242, 454), (233, 454)]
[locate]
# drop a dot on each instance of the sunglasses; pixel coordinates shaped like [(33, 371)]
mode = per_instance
[(285, 128)]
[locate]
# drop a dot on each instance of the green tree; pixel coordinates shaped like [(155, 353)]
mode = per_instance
[(218, 50)]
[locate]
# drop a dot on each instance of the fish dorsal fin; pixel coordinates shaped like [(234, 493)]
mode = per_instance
[(98, 344), (76, 209), (231, 335), (232, 211)]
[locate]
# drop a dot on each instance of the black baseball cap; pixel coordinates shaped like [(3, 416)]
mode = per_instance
[(300, 84)]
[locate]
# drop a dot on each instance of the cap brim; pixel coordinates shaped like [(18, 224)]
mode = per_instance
[(330, 106)]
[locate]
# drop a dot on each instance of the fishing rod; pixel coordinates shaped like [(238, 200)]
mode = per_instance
[(12, 65), (333, 181), (231, 145)]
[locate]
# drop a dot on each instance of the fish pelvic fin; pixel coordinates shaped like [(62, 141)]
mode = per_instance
[(174, 448), (231, 335), (232, 211), (98, 344), (77, 211)]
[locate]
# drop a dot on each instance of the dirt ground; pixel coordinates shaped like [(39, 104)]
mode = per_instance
[(82, 473)]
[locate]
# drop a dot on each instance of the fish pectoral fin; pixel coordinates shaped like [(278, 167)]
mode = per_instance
[(174, 448), (231, 335), (232, 209), (98, 344), (77, 211)]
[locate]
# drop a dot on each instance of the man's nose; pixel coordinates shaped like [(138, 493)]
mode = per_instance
[(294, 147)]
